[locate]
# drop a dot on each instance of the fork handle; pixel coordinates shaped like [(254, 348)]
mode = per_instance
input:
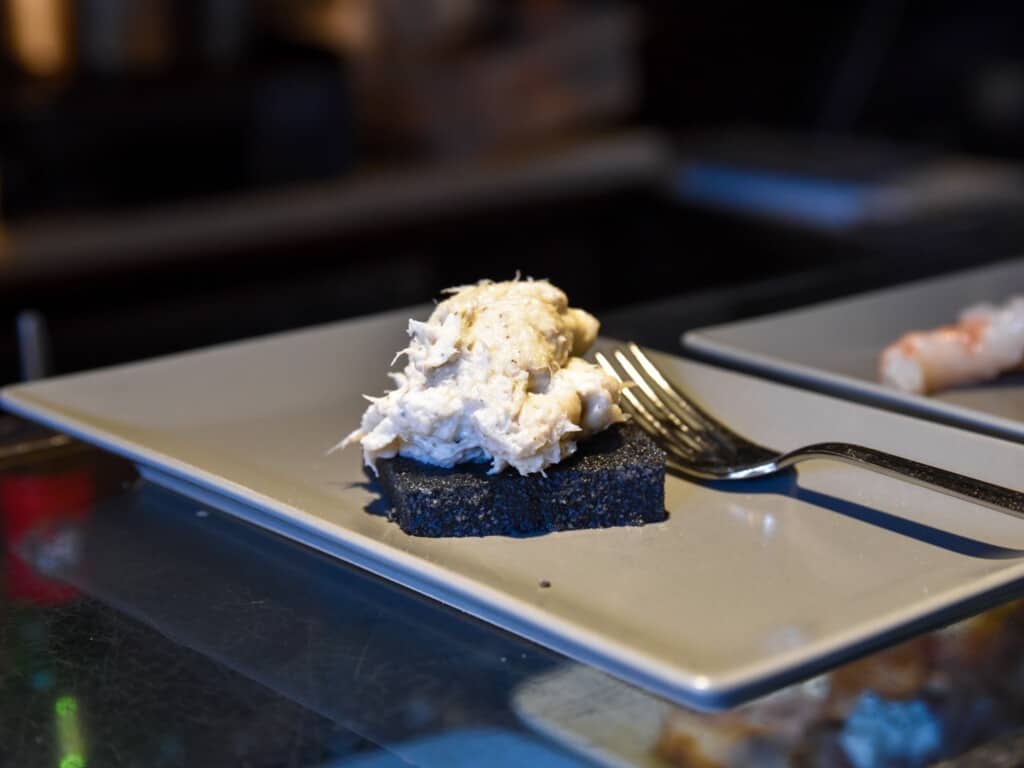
[(952, 484)]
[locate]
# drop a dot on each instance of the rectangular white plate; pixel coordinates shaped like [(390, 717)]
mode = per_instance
[(834, 347), (741, 590)]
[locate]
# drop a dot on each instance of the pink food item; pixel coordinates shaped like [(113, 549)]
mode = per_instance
[(986, 341)]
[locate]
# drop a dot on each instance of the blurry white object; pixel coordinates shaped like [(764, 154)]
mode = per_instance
[(986, 341)]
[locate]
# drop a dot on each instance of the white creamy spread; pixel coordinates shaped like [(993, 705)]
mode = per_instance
[(493, 375)]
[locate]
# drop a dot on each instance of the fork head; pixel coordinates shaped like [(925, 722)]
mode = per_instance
[(696, 444)]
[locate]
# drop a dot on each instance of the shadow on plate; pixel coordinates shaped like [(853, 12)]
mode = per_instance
[(787, 484)]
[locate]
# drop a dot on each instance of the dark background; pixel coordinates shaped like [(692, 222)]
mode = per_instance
[(179, 174)]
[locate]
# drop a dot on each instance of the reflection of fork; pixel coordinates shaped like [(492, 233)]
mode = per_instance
[(700, 446)]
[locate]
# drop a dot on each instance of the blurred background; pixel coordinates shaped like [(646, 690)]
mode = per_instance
[(175, 173)]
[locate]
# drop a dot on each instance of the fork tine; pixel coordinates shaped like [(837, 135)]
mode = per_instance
[(681, 421), (678, 443), (672, 394), (683, 445), (682, 404), (666, 438)]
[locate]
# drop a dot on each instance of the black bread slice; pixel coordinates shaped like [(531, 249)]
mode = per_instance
[(616, 477)]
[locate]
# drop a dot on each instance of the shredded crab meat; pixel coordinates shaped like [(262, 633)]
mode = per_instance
[(494, 374)]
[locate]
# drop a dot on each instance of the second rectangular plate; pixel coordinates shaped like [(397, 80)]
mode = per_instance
[(834, 347)]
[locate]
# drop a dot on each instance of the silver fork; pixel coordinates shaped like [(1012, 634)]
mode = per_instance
[(700, 446)]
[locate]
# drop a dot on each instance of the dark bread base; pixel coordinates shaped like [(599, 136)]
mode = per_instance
[(615, 478)]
